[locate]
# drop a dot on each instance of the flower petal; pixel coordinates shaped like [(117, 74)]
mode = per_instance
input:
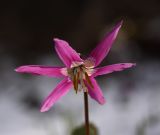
[(112, 68), (66, 53), (41, 70), (95, 92), (102, 49), (61, 89)]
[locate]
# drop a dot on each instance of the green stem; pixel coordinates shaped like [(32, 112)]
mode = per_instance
[(86, 112)]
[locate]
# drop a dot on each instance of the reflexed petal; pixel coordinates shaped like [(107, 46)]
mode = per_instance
[(112, 68), (95, 92), (61, 89), (104, 46), (66, 53), (41, 70)]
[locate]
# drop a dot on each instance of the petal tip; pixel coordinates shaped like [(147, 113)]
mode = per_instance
[(120, 22), (131, 64), (134, 64), (102, 101), (16, 70), (118, 25), (19, 69), (56, 39), (43, 109), (59, 42)]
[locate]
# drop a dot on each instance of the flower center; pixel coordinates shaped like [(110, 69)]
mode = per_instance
[(80, 77)]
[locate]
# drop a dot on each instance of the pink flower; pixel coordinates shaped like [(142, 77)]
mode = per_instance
[(78, 73)]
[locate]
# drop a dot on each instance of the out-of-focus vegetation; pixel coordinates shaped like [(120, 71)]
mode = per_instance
[(81, 130)]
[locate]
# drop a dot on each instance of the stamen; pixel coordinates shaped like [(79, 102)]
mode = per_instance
[(75, 79), (81, 81), (78, 75), (88, 80)]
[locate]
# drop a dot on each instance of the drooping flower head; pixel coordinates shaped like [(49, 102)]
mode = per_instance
[(78, 73)]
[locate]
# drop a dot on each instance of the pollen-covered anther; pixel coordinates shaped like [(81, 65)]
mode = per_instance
[(89, 63)]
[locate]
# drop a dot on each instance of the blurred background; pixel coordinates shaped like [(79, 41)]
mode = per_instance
[(133, 96)]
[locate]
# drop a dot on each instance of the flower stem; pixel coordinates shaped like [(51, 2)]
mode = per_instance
[(86, 112)]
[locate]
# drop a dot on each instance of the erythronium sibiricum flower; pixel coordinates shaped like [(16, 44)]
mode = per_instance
[(78, 73)]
